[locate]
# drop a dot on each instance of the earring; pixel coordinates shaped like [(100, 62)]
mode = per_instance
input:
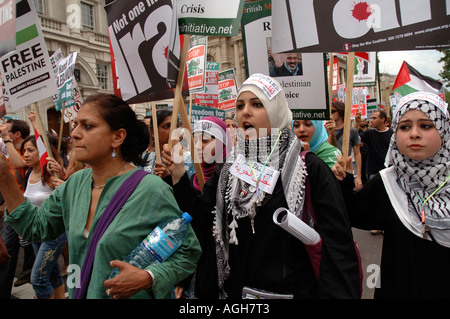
[(114, 153)]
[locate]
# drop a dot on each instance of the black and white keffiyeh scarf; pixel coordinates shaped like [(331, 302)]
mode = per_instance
[(237, 199), (419, 179)]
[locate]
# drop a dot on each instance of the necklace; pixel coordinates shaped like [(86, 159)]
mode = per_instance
[(101, 186), (426, 228)]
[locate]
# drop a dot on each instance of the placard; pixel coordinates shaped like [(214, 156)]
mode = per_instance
[(196, 63), (369, 26), (211, 18), (305, 85), (139, 33), (26, 72), (227, 90)]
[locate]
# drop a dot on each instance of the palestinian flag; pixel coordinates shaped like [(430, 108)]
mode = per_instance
[(42, 150), (409, 80)]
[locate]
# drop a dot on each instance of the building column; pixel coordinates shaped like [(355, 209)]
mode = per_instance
[(73, 17)]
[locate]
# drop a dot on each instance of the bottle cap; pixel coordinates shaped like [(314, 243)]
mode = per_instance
[(186, 217)]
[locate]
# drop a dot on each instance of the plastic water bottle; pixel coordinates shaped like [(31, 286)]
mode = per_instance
[(159, 244)]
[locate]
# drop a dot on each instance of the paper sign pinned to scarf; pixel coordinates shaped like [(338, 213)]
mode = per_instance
[(429, 97), (265, 83), (252, 174)]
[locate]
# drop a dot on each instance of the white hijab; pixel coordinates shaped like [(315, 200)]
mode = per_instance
[(235, 198), (271, 94), (420, 179)]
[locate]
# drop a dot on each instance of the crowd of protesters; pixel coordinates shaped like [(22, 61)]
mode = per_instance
[(250, 165)]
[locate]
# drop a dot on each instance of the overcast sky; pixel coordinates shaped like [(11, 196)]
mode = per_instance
[(424, 61)]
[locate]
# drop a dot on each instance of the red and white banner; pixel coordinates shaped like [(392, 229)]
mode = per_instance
[(359, 25), (42, 150)]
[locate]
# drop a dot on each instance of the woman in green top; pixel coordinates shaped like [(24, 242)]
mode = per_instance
[(314, 137), (110, 139)]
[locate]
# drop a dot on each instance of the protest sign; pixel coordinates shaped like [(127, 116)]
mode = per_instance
[(196, 63), (27, 71), (139, 33), (348, 25), (335, 80), (227, 90), (303, 76), (55, 59), (206, 17), (359, 97), (7, 26), (173, 50), (115, 77), (364, 73), (64, 80), (211, 93), (201, 17), (359, 101), (74, 104), (199, 112), (371, 107)]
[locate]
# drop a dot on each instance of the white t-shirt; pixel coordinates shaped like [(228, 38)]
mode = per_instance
[(37, 193)]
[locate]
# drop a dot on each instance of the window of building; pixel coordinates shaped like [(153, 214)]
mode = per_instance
[(102, 75), (39, 5), (87, 16), (77, 75)]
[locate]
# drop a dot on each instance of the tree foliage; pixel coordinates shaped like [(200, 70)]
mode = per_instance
[(445, 73)]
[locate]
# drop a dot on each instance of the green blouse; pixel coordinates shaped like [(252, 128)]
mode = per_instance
[(67, 208)]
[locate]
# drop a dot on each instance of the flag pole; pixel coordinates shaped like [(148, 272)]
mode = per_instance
[(330, 79), (44, 133)]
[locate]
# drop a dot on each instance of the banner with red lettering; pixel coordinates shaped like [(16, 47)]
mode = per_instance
[(196, 63), (360, 25), (210, 96), (227, 90)]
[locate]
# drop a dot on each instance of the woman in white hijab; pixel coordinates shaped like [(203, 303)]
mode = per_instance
[(410, 201), (267, 173)]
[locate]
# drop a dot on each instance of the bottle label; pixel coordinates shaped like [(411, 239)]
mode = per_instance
[(159, 245)]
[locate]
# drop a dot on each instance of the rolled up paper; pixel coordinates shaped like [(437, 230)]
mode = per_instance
[(295, 226)]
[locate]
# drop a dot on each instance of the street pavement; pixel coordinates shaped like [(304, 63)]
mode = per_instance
[(370, 250), (369, 247)]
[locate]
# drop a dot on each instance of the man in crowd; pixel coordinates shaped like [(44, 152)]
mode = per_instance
[(337, 115), (377, 140)]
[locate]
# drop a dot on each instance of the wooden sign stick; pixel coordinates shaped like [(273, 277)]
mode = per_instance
[(180, 108), (179, 86), (348, 106), (61, 126), (155, 133)]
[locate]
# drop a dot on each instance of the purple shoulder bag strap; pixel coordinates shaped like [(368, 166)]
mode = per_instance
[(114, 206)]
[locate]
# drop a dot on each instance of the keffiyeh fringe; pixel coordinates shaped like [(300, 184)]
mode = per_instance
[(237, 199)]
